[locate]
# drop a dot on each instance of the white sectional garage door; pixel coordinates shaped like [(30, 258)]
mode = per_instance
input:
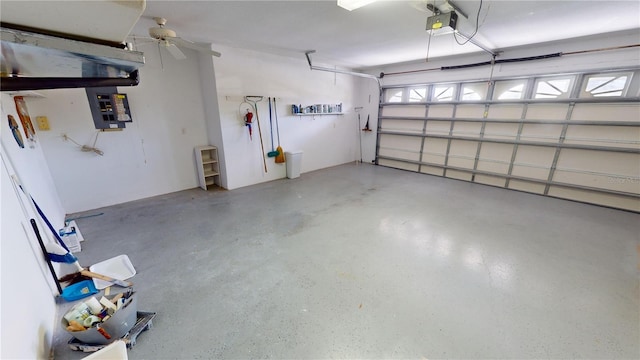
[(572, 136)]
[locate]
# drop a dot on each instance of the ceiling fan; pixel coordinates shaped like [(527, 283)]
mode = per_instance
[(169, 40)]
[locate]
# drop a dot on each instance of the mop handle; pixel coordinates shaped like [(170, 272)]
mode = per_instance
[(44, 217), (275, 110), (271, 122)]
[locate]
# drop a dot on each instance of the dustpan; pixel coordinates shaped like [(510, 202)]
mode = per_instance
[(79, 290)]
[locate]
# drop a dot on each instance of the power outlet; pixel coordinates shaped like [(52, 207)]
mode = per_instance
[(43, 123)]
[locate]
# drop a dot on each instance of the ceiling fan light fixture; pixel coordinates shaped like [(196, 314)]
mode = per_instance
[(354, 4)]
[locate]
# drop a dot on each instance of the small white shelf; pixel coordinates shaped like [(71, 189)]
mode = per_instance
[(208, 171), (313, 114)]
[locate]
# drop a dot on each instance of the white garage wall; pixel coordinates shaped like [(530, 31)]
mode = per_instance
[(21, 261), (326, 140), (152, 156), (173, 112)]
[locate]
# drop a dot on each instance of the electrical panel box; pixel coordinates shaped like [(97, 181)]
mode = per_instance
[(110, 110), (442, 20)]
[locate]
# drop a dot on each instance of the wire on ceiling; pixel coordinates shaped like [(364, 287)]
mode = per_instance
[(474, 32)]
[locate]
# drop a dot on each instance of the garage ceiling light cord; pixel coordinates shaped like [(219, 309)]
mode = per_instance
[(474, 32)]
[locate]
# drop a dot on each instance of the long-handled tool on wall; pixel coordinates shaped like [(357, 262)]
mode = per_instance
[(273, 152), (280, 158), (254, 100)]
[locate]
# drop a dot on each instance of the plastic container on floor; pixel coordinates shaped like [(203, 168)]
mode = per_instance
[(294, 163), (116, 327), (116, 351)]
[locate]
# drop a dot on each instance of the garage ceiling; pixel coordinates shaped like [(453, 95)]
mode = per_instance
[(381, 33), (386, 31)]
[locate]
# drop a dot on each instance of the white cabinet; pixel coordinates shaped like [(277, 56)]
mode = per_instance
[(208, 167)]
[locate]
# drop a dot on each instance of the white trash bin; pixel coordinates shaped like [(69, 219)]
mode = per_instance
[(294, 163)]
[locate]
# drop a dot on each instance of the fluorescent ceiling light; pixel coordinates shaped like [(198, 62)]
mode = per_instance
[(353, 4)]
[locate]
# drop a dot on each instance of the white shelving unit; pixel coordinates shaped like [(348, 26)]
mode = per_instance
[(208, 169)]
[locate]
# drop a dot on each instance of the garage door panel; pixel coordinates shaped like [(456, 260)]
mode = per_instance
[(398, 165), (604, 112), (505, 111), (527, 186), (490, 180), (401, 147), (624, 164), (462, 153), (495, 157), (470, 111), (542, 141), (501, 131), (460, 175), (612, 136), (467, 129), (409, 126), (541, 132), (404, 110), (533, 162), (432, 170), (612, 171), (616, 201), (435, 151), (438, 127), (444, 111), (547, 112)]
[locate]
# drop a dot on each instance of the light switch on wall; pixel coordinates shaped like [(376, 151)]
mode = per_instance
[(43, 123)]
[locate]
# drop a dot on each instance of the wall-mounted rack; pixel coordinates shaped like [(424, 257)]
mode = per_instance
[(317, 109)]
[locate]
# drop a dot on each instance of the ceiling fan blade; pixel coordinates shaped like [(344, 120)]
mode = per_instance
[(190, 45), (173, 50)]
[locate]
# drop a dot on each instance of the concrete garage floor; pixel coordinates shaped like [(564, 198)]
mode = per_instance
[(359, 261)]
